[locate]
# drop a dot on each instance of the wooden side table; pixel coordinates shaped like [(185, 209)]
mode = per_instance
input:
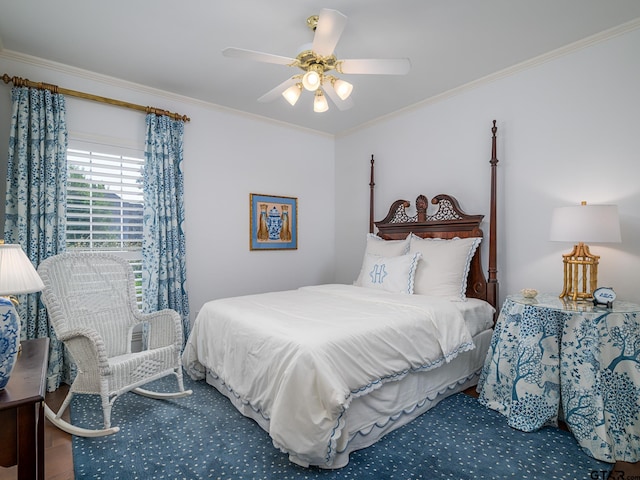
[(22, 411)]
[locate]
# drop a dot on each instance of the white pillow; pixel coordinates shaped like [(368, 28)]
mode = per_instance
[(383, 248), (393, 274), (444, 266), (387, 248)]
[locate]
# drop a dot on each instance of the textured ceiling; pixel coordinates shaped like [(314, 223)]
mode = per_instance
[(176, 46)]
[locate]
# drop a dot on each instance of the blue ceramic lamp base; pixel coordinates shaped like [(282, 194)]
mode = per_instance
[(9, 339)]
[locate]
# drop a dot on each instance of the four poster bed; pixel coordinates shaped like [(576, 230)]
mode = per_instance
[(330, 369)]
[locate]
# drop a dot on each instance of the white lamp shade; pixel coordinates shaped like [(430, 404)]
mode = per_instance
[(320, 103), (342, 88), (292, 94), (586, 224), (311, 80), (17, 274)]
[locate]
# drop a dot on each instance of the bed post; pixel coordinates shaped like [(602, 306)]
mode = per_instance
[(371, 185), (492, 286)]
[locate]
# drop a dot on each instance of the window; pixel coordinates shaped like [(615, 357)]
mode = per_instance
[(104, 204)]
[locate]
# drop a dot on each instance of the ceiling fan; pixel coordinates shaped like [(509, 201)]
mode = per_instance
[(317, 61)]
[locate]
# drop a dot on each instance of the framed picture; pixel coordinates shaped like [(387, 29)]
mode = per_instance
[(273, 222)]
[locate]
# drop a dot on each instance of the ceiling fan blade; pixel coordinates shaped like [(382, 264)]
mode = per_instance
[(257, 56), (274, 93), (331, 23), (341, 104), (380, 66)]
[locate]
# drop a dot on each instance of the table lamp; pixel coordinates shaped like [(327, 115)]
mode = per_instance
[(581, 224), (17, 276)]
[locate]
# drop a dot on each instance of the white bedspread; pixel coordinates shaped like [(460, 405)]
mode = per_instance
[(300, 356)]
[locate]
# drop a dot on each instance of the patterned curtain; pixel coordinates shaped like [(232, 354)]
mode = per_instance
[(36, 203), (163, 242)]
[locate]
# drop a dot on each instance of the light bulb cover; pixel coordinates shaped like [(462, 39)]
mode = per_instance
[(342, 88), (320, 102), (292, 94), (311, 80)]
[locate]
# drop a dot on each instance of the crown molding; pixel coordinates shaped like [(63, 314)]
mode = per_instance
[(143, 89), (506, 72)]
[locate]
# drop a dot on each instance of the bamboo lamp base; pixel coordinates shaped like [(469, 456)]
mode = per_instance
[(580, 273)]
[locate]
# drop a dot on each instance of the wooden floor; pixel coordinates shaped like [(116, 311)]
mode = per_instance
[(59, 458)]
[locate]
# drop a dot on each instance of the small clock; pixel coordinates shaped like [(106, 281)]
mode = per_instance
[(604, 296)]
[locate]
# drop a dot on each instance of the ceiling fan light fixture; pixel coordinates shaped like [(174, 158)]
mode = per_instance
[(342, 88), (317, 61), (320, 102), (292, 94)]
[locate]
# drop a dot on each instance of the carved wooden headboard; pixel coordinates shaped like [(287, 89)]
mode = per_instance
[(448, 221)]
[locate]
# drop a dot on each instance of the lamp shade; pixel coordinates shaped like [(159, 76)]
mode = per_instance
[(311, 80), (292, 94), (342, 88), (586, 223), (17, 274), (320, 102)]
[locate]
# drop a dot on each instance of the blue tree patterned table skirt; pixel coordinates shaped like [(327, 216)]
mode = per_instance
[(551, 359)]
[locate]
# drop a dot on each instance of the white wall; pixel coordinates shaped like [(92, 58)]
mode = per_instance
[(227, 156), (569, 130)]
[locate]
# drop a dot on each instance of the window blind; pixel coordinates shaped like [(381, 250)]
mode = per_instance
[(104, 206)]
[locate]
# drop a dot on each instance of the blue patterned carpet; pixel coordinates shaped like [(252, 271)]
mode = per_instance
[(203, 436)]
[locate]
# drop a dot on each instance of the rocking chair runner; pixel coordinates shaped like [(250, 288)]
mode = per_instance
[(90, 300)]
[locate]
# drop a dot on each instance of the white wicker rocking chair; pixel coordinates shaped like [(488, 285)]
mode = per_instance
[(90, 299)]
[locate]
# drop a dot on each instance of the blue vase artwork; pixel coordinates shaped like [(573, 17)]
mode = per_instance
[(274, 224), (9, 339)]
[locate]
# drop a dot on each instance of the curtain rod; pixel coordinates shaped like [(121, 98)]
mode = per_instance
[(23, 82)]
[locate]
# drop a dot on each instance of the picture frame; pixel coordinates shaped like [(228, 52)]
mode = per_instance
[(273, 222)]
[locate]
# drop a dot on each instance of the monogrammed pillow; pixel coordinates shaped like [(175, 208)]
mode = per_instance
[(393, 274), (383, 248)]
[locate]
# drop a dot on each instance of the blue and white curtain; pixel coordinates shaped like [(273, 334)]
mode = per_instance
[(36, 203), (163, 242)]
